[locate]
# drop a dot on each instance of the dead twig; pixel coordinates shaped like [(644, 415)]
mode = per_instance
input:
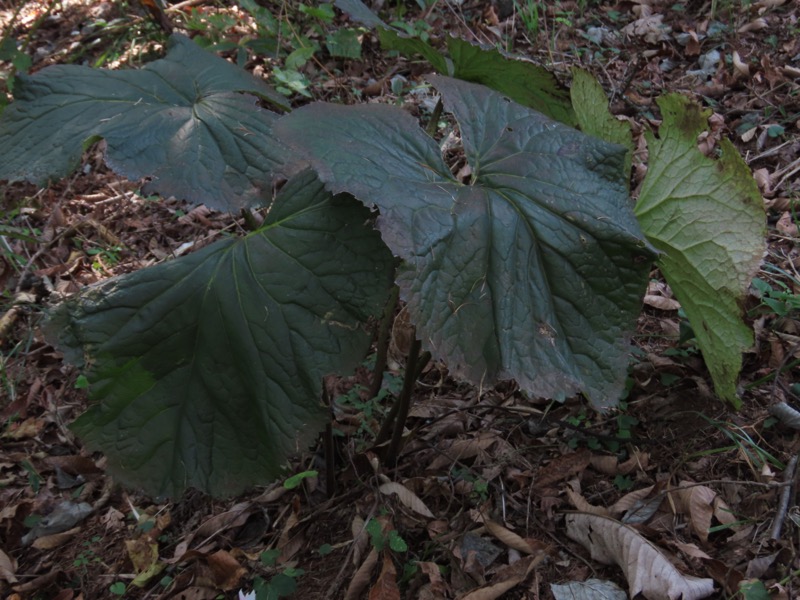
[(786, 494)]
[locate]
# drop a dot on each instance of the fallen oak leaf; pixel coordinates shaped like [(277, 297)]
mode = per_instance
[(647, 570)]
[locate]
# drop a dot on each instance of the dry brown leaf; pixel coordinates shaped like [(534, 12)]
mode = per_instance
[(786, 225), (651, 28), (142, 554), (610, 465), (691, 550), (647, 570), (723, 513), (362, 576), (764, 180), (226, 569), (462, 449), (754, 25), (360, 539), (561, 468), (386, 586), (508, 537), (580, 503), (631, 499), (407, 497), (741, 67), (661, 303), (48, 542), (695, 501), (8, 568), (700, 503), (235, 517), (29, 428), (437, 586), (508, 578)]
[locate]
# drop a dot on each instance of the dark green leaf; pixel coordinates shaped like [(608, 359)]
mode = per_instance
[(358, 11), (519, 79), (344, 43), (184, 121), (283, 585), (408, 46), (534, 271), (206, 371)]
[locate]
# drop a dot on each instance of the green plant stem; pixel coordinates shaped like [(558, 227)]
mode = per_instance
[(388, 423), (251, 223), (433, 124), (404, 403), (382, 343), (329, 446)]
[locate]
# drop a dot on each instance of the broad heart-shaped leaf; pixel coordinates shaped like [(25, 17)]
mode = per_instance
[(534, 271), (183, 121), (707, 217), (206, 371)]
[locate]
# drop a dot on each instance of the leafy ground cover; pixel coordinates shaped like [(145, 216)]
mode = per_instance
[(473, 508)]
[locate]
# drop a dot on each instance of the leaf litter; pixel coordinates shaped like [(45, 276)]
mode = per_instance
[(478, 496)]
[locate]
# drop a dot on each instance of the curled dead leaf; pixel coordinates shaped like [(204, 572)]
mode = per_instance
[(631, 500), (786, 225), (362, 576), (742, 68), (581, 504), (647, 570), (48, 542), (661, 303), (754, 25), (508, 537), (226, 569)]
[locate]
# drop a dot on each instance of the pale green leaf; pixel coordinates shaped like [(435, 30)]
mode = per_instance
[(591, 109), (707, 217)]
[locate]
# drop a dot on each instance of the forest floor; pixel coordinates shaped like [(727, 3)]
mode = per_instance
[(475, 507)]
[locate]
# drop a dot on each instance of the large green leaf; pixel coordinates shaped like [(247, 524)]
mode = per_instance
[(206, 371), (533, 271), (391, 39), (519, 79), (591, 109), (184, 121), (707, 217)]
